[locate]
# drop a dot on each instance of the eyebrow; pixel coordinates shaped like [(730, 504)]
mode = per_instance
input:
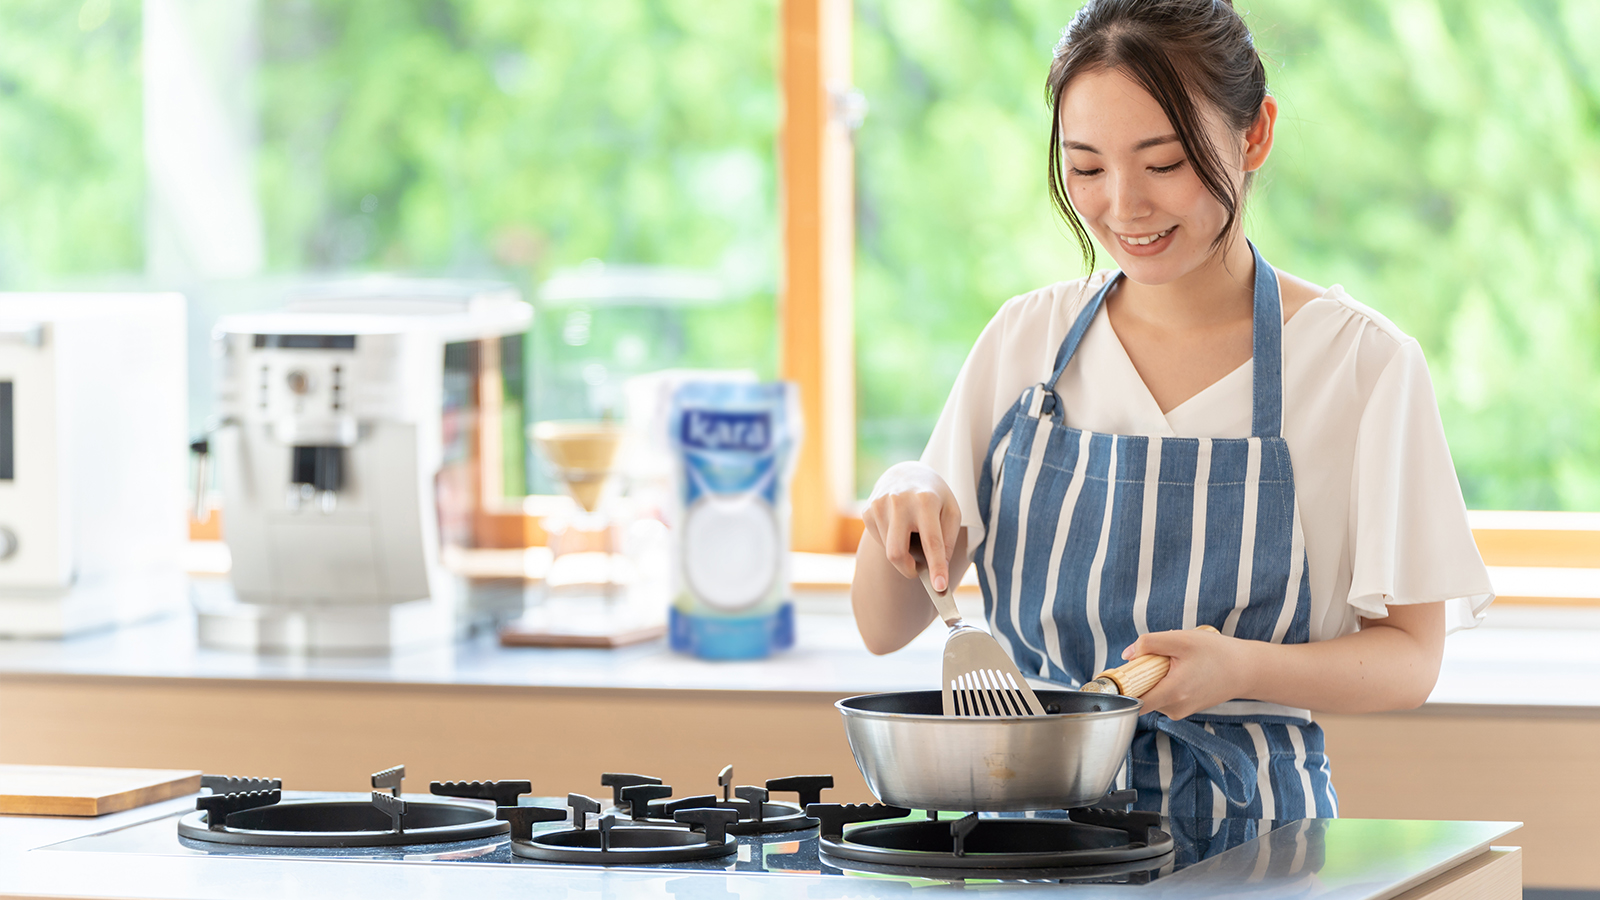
[(1145, 144)]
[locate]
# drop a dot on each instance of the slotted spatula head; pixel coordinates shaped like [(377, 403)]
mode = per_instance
[(979, 678)]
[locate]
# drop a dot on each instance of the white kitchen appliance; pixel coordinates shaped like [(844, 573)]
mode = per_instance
[(92, 460), (349, 447)]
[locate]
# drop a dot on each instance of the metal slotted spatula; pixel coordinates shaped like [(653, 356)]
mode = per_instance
[(979, 678)]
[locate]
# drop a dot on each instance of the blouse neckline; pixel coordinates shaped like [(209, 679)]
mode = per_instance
[(1220, 394)]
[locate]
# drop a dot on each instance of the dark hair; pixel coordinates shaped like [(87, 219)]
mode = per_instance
[(1183, 52)]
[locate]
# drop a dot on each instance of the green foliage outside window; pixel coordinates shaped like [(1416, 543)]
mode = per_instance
[(71, 165), (518, 139), (1439, 158), (470, 134)]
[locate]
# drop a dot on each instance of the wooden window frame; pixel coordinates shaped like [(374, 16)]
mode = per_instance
[(816, 173), (816, 160), (817, 317)]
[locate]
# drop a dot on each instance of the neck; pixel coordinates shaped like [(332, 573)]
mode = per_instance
[(1219, 291)]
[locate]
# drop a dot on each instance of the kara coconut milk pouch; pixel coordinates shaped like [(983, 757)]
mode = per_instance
[(734, 452)]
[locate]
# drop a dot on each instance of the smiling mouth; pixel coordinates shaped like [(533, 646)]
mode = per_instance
[(1146, 239)]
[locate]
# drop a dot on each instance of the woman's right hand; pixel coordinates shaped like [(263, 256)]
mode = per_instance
[(911, 497)]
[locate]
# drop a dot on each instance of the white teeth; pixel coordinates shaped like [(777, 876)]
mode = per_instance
[(1148, 239)]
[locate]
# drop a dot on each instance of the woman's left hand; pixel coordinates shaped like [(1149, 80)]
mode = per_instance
[(1207, 668)]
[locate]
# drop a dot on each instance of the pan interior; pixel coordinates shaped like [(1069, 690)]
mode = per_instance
[(931, 703)]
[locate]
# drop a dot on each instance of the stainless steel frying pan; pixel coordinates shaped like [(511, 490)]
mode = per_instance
[(913, 755)]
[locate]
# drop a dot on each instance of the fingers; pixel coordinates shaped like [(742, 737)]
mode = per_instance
[(893, 518), (935, 547), (897, 539), (909, 499), (886, 520), (1159, 643), (870, 523), (1199, 677), (950, 529), (1158, 699), (1172, 696), (1168, 703)]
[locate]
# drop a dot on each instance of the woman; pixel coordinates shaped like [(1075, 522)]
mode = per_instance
[(1196, 438)]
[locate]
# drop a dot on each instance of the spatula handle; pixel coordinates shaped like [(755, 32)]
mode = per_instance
[(1137, 677)]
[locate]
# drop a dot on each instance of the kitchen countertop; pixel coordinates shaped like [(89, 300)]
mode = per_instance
[(1349, 858), (1549, 657)]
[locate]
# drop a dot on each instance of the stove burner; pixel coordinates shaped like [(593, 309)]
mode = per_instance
[(645, 800), (1092, 842), (252, 812), (613, 844)]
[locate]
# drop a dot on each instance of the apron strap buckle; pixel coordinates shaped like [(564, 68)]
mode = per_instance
[(1043, 402)]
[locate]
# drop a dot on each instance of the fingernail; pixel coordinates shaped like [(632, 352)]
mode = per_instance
[(938, 584)]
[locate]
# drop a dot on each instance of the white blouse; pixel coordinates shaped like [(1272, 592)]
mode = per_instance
[(1379, 502)]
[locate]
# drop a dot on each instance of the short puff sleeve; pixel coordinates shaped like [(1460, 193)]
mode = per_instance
[(1409, 532)]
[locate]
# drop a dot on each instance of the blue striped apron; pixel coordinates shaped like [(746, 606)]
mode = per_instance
[(1094, 539)]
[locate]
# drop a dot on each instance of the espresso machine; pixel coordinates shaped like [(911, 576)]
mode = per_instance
[(92, 460), (350, 447)]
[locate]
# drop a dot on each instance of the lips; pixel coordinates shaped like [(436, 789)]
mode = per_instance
[(1147, 244), (1144, 240)]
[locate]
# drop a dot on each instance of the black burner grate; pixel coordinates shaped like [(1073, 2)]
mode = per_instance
[(1088, 839), (645, 800), (252, 812), (698, 833)]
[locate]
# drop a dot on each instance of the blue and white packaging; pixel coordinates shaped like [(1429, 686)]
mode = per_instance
[(734, 447)]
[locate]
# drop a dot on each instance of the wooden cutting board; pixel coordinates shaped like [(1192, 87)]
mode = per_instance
[(79, 791)]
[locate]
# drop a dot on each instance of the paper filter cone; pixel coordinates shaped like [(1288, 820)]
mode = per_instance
[(582, 456)]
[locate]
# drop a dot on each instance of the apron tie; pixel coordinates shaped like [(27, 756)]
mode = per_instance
[(1227, 765)]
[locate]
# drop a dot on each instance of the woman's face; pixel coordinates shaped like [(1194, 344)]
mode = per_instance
[(1131, 182)]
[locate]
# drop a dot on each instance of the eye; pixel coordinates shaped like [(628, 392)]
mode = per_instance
[(1162, 170), (1083, 172)]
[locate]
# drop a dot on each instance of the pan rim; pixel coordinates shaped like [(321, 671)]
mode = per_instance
[(853, 712)]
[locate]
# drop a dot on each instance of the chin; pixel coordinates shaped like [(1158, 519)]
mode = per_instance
[(1148, 270), (1165, 267)]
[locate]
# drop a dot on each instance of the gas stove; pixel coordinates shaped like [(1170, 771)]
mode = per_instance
[(738, 828)]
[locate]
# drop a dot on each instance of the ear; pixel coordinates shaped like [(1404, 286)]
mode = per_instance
[(1258, 137)]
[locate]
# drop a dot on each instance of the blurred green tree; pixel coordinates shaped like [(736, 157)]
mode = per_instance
[(1439, 158), (472, 137), (71, 164), (467, 136)]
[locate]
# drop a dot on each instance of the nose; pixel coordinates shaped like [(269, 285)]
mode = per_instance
[(1128, 202)]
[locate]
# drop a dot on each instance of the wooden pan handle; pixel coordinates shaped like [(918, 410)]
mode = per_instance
[(1138, 676)]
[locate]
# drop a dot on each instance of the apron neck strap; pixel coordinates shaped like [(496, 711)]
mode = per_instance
[(1069, 347), (1266, 414)]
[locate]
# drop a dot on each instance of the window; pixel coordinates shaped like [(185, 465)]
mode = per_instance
[(564, 146), (1435, 158), (535, 143)]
